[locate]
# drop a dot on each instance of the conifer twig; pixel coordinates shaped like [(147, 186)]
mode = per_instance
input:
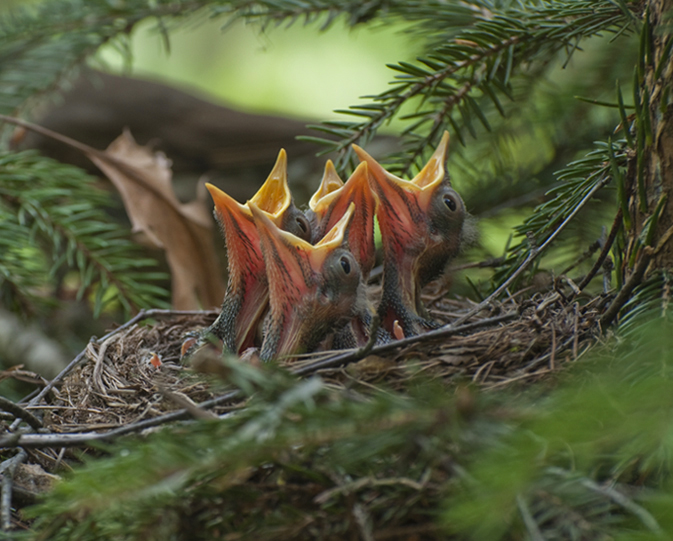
[(604, 252), (531, 526), (643, 515), (534, 252)]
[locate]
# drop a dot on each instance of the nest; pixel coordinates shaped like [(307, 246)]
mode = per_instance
[(132, 379), (134, 373)]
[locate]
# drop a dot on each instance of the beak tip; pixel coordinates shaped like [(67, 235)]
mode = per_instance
[(361, 153), (212, 189)]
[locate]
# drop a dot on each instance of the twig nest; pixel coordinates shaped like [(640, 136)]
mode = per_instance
[(132, 373)]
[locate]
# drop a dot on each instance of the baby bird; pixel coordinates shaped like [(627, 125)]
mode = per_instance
[(421, 222), (246, 299), (314, 290), (326, 207)]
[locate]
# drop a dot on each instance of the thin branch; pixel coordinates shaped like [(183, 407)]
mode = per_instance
[(635, 279), (531, 526), (373, 332), (442, 332), (616, 224), (620, 499), (18, 411), (591, 250), (354, 486), (8, 468), (626, 290), (534, 252), (39, 441)]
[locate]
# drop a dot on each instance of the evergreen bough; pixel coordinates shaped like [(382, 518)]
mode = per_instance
[(53, 221)]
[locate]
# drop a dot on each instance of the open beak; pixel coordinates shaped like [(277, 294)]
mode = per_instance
[(331, 182), (421, 223), (247, 293), (403, 204), (274, 196), (246, 299), (313, 289), (275, 199), (331, 202)]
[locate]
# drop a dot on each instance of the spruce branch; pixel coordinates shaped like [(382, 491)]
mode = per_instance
[(53, 214), (42, 45), (470, 68), (580, 180)]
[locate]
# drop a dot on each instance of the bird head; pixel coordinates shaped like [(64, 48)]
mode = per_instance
[(246, 298), (313, 289), (421, 223)]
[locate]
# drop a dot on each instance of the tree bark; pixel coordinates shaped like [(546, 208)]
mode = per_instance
[(657, 155)]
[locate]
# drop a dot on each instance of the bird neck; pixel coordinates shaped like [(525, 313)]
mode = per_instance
[(400, 294)]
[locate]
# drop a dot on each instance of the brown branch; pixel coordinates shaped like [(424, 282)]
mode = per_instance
[(442, 332), (625, 293), (616, 224), (19, 412), (31, 441), (635, 279), (8, 467)]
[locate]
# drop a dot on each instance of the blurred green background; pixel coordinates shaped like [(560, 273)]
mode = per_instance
[(296, 71)]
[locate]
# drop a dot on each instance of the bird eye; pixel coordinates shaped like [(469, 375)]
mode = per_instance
[(449, 202), (345, 265)]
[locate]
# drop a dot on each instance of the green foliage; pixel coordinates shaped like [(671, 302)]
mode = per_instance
[(470, 69), (484, 75), (52, 222), (579, 180), (586, 462), (42, 43), (491, 74)]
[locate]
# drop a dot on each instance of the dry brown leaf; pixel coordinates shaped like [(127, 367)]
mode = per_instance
[(184, 231)]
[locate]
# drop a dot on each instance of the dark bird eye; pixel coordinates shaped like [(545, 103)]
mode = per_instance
[(345, 265), (449, 202)]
